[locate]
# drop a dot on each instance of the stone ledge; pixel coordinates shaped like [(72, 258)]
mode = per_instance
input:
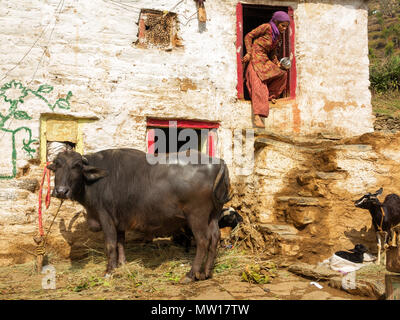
[(283, 232), (311, 141), (355, 147), (336, 175), (280, 229), (302, 201), (30, 184), (313, 271), (8, 194), (367, 288)]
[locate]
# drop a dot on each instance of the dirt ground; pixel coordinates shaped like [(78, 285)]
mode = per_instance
[(154, 271)]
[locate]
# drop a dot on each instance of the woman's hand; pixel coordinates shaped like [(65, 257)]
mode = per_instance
[(246, 58)]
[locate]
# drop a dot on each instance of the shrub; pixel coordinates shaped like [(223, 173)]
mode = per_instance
[(385, 76), (389, 48)]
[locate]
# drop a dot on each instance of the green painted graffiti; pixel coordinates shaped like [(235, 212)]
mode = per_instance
[(14, 94)]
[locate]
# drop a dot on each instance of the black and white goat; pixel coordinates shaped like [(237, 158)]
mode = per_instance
[(228, 220), (355, 255), (385, 216)]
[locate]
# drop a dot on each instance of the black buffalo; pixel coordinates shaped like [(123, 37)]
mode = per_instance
[(122, 191)]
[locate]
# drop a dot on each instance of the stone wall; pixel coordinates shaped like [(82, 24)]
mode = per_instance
[(304, 207)]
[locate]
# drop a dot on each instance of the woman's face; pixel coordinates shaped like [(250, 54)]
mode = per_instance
[(282, 26)]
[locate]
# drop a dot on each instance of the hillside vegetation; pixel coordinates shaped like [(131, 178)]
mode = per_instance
[(384, 55)]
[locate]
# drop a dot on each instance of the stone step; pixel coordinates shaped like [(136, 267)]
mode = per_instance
[(355, 147), (313, 271), (282, 231), (287, 236), (29, 184), (13, 194), (302, 201), (334, 175)]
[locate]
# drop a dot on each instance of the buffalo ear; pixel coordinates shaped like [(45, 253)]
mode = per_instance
[(93, 174), (51, 167)]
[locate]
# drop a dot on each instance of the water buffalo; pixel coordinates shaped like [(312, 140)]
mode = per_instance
[(122, 191)]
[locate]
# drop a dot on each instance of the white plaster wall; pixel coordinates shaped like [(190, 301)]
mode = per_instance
[(87, 47), (332, 66)]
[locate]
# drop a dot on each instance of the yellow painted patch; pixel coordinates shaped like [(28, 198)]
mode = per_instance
[(61, 128)]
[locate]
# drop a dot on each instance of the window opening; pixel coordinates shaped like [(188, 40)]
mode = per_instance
[(205, 134), (250, 17)]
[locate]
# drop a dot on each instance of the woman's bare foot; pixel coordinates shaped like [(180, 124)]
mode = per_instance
[(258, 122), (273, 100)]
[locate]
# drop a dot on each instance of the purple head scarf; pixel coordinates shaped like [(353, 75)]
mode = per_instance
[(280, 16)]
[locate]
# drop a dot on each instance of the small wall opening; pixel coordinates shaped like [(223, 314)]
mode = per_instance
[(180, 142), (158, 29)]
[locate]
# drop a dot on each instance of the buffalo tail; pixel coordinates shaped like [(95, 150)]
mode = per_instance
[(221, 188)]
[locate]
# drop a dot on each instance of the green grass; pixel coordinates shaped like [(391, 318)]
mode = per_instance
[(387, 104), (375, 35)]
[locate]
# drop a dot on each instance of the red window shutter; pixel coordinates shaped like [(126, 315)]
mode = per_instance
[(286, 53), (211, 143), (150, 141), (239, 50), (293, 71), (162, 123)]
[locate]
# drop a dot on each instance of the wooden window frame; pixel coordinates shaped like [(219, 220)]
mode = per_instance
[(187, 124)]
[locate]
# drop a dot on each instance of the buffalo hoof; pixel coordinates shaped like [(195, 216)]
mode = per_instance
[(186, 280), (200, 276), (121, 263), (109, 273)]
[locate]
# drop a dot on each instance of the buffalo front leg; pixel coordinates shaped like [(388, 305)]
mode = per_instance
[(121, 247), (110, 239)]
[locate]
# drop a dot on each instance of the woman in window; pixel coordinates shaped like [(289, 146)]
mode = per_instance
[(265, 80)]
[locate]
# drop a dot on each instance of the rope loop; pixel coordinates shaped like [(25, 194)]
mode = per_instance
[(46, 172)]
